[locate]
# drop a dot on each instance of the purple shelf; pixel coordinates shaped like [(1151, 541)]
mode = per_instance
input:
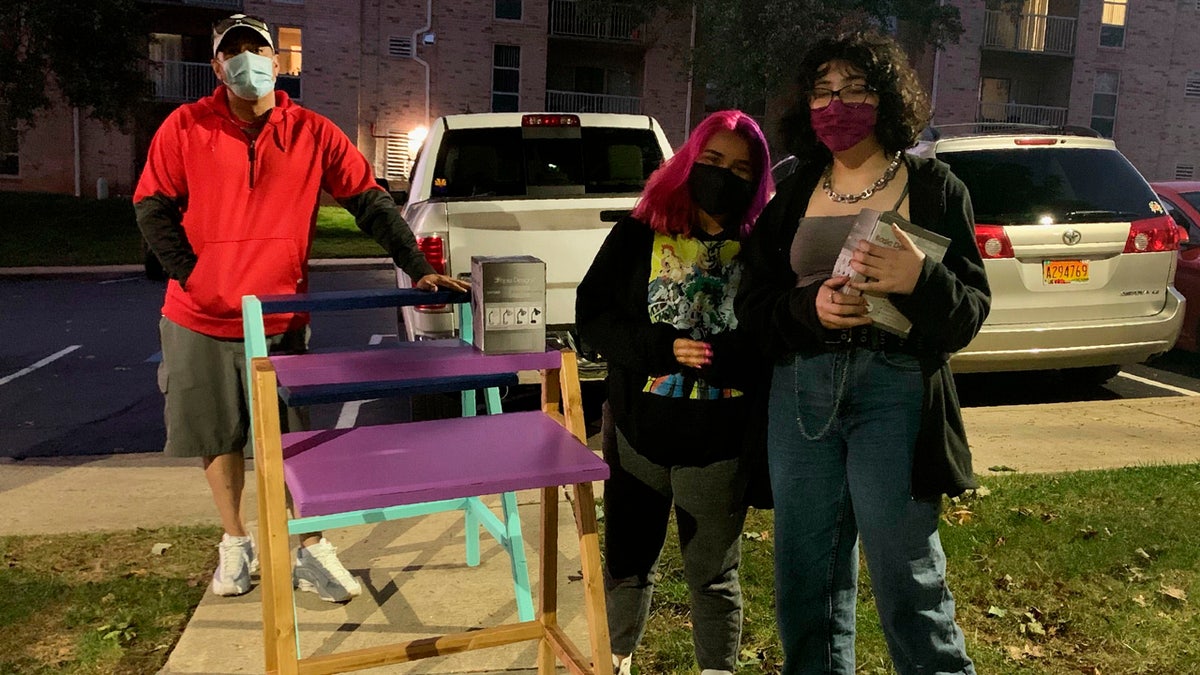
[(407, 361), (340, 470)]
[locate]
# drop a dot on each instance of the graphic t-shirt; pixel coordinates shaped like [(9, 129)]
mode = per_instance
[(693, 281)]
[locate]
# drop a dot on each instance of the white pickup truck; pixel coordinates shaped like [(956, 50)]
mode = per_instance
[(548, 185)]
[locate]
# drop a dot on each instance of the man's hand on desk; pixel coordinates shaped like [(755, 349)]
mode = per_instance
[(431, 282)]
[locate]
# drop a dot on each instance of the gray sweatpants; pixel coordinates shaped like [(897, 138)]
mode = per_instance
[(637, 504)]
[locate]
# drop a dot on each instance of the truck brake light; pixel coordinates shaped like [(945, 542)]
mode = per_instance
[(434, 248), (550, 120)]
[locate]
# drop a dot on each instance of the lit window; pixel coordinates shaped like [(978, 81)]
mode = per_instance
[(1104, 101), (1112, 23), (506, 78), (289, 51)]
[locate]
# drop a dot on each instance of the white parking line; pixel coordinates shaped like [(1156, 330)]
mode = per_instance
[(49, 359), (1160, 385), (348, 416), (119, 281)]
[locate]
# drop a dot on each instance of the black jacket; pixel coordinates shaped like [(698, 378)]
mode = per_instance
[(947, 307)]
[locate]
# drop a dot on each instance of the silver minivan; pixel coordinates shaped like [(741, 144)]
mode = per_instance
[(1079, 253)]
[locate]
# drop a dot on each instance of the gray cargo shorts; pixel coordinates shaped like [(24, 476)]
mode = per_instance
[(203, 379)]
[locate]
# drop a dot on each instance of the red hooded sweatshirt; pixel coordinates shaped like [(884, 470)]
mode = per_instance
[(249, 206)]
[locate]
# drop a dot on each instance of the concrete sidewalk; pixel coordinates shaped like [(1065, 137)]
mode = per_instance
[(415, 579)]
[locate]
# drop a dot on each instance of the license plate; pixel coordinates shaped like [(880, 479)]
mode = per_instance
[(1064, 271)]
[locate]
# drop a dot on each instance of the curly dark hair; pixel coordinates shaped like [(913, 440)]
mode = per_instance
[(903, 106)]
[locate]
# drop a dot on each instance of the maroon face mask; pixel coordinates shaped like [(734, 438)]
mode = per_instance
[(840, 126)]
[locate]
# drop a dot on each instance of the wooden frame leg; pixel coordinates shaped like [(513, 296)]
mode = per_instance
[(279, 624), (593, 578), (548, 568)]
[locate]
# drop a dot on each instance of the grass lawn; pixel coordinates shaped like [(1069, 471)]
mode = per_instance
[(50, 229), (100, 603), (1093, 572)]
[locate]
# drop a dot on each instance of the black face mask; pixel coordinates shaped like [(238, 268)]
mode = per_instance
[(720, 192)]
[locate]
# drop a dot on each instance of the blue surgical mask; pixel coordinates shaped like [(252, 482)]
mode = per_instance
[(250, 76)]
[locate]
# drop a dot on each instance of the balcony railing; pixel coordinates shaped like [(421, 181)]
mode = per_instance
[(620, 23), (573, 101), (189, 81), (1029, 32), (182, 80), (1022, 113)]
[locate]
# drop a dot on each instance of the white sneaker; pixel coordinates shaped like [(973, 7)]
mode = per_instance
[(318, 570), (622, 664), (711, 671), (232, 576)]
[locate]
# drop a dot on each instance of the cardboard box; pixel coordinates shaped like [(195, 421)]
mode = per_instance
[(508, 304)]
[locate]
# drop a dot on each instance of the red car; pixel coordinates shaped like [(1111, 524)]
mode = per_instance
[(1181, 199)]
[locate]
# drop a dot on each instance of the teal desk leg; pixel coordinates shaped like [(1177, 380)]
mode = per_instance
[(514, 541), (255, 340)]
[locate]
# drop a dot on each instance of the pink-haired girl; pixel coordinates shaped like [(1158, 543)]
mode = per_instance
[(657, 303)]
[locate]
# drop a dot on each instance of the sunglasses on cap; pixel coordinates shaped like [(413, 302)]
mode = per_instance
[(234, 21)]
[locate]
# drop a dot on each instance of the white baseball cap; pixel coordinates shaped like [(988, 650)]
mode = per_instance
[(241, 22)]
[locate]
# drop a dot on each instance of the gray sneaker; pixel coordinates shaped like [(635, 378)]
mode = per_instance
[(319, 571), (232, 576)]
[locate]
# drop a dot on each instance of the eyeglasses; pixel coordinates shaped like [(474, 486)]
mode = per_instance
[(851, 94), (248, 21)]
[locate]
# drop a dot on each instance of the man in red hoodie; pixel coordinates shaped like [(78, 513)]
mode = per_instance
[(228, 203)]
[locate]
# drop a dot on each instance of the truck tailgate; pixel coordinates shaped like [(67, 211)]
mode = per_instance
[(565, 233)]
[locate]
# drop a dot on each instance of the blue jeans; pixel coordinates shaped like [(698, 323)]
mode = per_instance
[(840, 443)]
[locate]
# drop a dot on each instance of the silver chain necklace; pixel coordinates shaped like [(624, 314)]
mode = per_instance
[(886, 178)]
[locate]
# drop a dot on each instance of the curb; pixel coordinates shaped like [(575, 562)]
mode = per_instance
[(328, 264)]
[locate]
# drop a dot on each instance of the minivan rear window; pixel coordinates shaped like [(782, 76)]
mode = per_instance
[(1068, 185), (540, 163)]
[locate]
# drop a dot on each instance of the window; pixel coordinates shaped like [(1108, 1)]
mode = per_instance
[(1007, 186), (290, 57), (1181, 218), (1104, 101), (1185, 171), (508, 9), (539, 163), (9, 156), (1112, 23), (506, 78), (289, 51)]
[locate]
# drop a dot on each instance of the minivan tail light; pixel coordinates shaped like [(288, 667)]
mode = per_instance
[(1152, 235), (434, 248), (992, 241)]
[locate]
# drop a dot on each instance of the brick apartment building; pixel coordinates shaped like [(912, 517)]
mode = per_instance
[(381, 70), (1127, 68)]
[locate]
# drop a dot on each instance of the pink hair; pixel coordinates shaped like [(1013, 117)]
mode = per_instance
[(666, 204)]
